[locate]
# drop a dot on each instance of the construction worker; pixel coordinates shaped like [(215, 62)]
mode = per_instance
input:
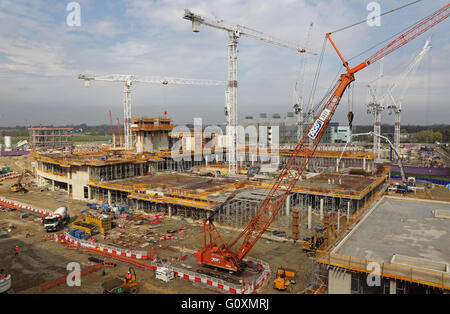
[(128, 277), (16, 250), (27, 233)]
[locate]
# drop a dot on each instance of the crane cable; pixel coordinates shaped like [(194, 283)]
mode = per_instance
[(385, 13), (316, 76), (319, 65), (382, 42)]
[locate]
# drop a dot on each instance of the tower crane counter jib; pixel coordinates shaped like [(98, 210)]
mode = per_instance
[(219, 254)]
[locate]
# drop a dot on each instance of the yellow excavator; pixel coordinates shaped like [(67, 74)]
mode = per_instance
[(321, 235), (18, 186)]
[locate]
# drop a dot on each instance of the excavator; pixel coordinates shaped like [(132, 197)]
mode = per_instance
[(216, 253), (18, 186), (313, 243)]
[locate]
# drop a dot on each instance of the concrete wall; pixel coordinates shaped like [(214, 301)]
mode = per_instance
[(152, 141), (80, 178), (339, 281)]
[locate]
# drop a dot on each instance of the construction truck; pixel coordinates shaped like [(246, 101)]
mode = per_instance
[(121, 285), (18, 186), (284, 279), (5, 281), (57, 220)]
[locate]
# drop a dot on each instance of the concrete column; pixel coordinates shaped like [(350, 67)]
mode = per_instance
[(339, 219), (364, 163), (89, 193), (321, 209), (348, 211), (109, 197), (206, 160), (339, 281), (170, 210), (288, 205), (392, 286), (53, 185), (309, 216)]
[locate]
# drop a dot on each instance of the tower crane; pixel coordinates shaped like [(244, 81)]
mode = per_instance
[(300, 88), (375, 107), (113, 138), (128, 80), (219, 254), (405, 79), (234, 32)]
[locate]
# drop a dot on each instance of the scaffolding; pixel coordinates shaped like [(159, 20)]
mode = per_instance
[(51, 138)]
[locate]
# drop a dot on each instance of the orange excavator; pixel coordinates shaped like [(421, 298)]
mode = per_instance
[(219, 254)]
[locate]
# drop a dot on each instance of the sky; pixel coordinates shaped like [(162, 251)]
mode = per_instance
[(41, 57)]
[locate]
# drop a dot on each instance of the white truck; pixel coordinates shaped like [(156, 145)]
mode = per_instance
[(5, 282), (56, 220)]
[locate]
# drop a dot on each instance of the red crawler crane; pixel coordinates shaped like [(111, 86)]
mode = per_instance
[(217, 253)]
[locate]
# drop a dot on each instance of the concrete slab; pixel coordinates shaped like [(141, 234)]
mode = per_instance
[(439, 213), (419, 263), (402, 226)]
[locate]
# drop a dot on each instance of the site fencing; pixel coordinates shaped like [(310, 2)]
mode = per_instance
[(247, 287), (63, 279), (107, 248), (406, 273), (18, 205)]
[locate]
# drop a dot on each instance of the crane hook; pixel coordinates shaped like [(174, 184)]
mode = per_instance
[(350, 119)]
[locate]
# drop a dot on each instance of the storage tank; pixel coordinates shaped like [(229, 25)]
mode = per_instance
[(8, 144)]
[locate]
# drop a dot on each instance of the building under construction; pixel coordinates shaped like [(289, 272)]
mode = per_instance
[(146, 179), (51, 138)]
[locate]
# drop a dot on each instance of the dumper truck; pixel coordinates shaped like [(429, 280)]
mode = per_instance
[(56, 220)]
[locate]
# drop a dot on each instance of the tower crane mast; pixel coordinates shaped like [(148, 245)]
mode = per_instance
[(234, 33), (375, 107), (217, 253), (128, 80), (405, 79), (299, 89)]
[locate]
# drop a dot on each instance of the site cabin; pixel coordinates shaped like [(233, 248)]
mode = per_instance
[(164, 274)]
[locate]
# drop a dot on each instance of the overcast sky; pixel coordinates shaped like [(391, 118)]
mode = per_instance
[(41, 57)]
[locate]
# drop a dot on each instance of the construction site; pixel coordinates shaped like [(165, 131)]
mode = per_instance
[(155, 211)]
